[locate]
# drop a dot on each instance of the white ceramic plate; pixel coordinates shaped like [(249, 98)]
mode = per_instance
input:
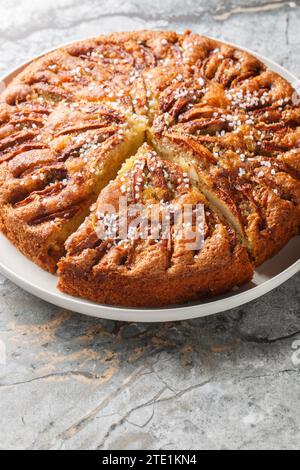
[(42, 284)]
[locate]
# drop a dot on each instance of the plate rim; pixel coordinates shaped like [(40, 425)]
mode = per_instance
[(150, 315)]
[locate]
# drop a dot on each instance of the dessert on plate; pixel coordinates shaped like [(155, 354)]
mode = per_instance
[(167, 120)]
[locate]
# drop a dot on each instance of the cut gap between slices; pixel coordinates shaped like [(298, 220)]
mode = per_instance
[(136, 272), (174, 153)]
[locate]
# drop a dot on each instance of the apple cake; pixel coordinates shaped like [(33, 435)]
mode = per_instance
[(169, 121)]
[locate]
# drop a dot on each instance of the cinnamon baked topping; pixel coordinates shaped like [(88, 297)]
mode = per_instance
[(159, 118)]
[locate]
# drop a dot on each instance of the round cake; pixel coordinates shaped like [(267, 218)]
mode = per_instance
[(155, 120)]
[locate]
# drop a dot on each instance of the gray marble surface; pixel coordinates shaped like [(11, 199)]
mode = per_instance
[(226, 382)]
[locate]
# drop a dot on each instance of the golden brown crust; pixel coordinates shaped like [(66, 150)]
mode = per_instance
[(261, 203), (144, 291), (148, 272), (71, 118)]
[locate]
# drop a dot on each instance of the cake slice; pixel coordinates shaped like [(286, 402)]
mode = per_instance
[(142, 268), (259, 197), (49, 181)]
